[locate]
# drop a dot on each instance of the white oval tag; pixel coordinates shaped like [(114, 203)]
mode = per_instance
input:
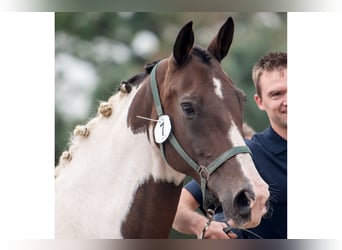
[(162, 129)]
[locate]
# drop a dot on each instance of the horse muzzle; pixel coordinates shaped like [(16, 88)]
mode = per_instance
[(246, 208)]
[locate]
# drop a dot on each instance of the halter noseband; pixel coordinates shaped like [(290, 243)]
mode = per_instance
[(204, 171)]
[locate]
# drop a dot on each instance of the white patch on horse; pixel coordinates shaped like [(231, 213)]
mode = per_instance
[(236, 138), (218, 87), (245, 160), (108, 181)]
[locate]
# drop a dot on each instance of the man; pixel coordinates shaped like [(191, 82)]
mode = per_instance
[(269, 150)]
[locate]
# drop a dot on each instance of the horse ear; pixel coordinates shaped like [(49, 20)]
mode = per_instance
[(219, 46), (183, 44)]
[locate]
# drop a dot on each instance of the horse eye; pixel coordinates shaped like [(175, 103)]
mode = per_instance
[(188, 109)]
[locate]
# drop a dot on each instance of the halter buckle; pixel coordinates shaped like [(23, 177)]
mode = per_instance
[(204, 172)]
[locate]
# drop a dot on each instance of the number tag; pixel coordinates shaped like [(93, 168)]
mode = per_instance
[(162, 129)]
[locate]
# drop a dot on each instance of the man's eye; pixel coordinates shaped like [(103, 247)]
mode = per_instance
[(276, 95), (188, 109)]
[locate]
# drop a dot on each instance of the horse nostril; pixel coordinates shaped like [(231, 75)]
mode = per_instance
[(269, 210), (242, 203), (267, 204)]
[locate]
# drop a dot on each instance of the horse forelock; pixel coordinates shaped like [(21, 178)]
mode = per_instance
[(202, 54)]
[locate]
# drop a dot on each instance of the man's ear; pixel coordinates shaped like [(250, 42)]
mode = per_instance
[(258, 101)]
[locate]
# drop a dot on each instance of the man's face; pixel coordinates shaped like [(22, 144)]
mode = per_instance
[(273, 98)]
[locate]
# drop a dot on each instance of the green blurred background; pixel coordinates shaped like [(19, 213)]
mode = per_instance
[(96, 51)]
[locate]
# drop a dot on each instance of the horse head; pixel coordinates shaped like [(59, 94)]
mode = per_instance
[(205, 110)]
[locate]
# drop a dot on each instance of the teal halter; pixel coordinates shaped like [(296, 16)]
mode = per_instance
[(204, 171)]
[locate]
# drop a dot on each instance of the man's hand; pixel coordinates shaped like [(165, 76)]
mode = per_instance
[(215, 231)]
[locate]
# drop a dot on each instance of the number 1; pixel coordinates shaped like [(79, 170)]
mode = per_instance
[(162, 125)]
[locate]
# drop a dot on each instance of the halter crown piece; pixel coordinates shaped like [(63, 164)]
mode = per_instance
[(204, 171)]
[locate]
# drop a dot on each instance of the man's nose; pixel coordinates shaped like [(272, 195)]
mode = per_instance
[(285, 100)]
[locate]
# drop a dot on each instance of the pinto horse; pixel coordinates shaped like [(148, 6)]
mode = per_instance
[(123, 172)]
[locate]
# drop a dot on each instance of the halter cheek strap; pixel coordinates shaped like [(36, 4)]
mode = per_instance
[(204, 171)]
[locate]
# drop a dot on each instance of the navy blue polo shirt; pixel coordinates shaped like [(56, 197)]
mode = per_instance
[(270, 158)]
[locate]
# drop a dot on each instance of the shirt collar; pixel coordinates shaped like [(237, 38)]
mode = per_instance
[(274, 142)]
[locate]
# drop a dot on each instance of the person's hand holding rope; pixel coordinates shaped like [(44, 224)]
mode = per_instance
[(214, 230)]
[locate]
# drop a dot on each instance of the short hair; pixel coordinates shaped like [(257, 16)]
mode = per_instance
[(269, 62)]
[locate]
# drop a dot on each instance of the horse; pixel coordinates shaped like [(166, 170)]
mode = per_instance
[(123, 172)]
